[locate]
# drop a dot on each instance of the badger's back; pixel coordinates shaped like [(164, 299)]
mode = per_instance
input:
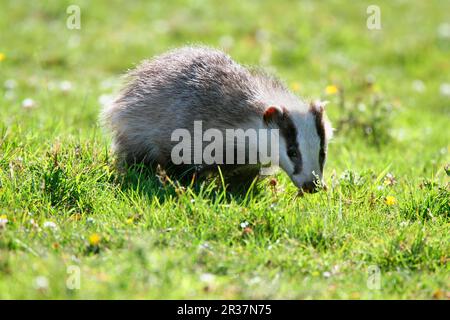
[(175, 89)]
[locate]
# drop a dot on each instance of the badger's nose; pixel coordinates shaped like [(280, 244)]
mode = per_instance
[(310, 187)]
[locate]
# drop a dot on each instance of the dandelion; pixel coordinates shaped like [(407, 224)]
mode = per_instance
[(3, 221), (130, 221), (94, 239), (331, 89), (390, 200), (2, 56), (295, 86)]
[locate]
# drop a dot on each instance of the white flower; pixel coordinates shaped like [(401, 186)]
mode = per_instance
[(335, 269), (327, 274), (28, 103), (418, 86), (49, 225), (445, 89), (362, 107), (444, 30), (65, 86), (204, 246), (207, 277), (244, 224), (41, 283), (254, 280)]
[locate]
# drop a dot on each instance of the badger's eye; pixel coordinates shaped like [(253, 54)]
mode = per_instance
[(292, 153)]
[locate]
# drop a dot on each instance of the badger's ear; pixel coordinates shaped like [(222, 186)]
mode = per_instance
[(318, 106), (271, 114)]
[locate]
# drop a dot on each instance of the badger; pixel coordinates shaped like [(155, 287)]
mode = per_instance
[(197, 84)]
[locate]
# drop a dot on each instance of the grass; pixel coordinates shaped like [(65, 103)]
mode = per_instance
[(63, 206)]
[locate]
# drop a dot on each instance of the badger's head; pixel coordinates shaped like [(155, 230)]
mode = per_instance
[(303, 143)]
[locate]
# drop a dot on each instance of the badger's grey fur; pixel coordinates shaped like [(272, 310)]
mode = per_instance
[(175, 89)]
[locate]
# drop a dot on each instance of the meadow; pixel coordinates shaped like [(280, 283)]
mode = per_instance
[(72, 226)]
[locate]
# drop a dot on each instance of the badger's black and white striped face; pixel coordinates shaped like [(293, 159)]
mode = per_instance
[(303, 145)]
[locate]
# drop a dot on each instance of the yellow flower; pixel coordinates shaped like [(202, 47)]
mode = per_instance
[(3, 221), (2, 56), (295, 86), (390, 200), (129, 221), (331, 89), (94, 239)]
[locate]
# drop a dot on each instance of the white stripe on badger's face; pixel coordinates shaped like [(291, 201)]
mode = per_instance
[(309, 145), (308, 164)]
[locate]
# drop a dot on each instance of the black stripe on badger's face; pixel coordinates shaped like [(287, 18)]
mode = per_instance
[(320, 128), (289, 132)]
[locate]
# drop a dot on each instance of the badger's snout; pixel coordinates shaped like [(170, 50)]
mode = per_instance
[(310, 187)]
